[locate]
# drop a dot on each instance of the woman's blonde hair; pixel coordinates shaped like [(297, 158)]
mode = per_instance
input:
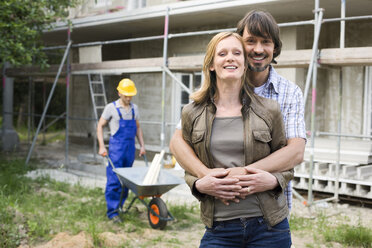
[(208, 89)]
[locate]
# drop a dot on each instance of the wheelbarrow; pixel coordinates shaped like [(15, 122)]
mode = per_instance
[(132, 178)]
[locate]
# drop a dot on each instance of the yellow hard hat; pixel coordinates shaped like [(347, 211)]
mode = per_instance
[(127, 87)]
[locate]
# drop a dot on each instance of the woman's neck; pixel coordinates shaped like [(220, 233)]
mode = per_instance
[(228, 100)]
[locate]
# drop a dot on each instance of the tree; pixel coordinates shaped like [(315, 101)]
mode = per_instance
[(21, 25)]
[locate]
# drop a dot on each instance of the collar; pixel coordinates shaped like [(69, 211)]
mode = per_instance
[(273, 79), (117, 102)]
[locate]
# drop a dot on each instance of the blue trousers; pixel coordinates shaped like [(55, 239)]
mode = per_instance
[(121, 159), (247, 233)]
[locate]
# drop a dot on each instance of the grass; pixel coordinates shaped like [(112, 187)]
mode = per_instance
[(324, 232), (350, 235), (50, 136), (36, 210)]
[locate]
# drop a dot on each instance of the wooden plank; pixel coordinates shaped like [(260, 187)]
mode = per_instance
[(152, 174), (26, 71), (294, 59), (194, 63), (351, 56), (118, 64)]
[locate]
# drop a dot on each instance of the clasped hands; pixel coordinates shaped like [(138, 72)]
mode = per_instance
[(235, 183)]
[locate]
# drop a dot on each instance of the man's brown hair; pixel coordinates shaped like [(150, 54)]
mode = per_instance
[(261, 24)]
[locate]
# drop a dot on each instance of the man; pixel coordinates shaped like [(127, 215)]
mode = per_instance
[(260, 33), (122, 116)]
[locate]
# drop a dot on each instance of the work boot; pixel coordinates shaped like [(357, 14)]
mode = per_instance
[(116, 219)]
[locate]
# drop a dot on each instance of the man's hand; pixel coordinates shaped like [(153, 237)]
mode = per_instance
[(102, 151), (216, 185), (256, 181), (142, 151)]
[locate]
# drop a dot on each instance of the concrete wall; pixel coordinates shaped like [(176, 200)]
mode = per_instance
[(352, 100), (80, 106), (91, 54), (192, 45), (149, 101), (289, 38)]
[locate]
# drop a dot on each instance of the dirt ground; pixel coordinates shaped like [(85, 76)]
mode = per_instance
[(335, 213)]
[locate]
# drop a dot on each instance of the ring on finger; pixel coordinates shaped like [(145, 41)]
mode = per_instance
[(248, 189)]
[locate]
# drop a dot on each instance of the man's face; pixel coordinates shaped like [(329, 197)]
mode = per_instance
[(125, 99), (259, 51)]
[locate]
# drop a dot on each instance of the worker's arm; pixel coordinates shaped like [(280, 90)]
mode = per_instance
[(280, 164), (186, 157), (139, 135), (102, 149), (283, 159)]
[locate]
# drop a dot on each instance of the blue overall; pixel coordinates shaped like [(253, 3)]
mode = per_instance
[(122, 152)]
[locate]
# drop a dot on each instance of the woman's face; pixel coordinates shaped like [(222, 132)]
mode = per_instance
[(228, 62)]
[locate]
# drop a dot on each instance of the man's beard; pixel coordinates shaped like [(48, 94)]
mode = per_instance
[(257, 68)]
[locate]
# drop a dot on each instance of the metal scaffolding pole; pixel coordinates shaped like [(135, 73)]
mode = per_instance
[(48, 101), (314, 55), (29, 109), (313, 66), (165, 65), (177, 80), (68, 74), (339, 116)]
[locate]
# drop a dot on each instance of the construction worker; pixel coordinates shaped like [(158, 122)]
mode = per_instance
[(122, 117)]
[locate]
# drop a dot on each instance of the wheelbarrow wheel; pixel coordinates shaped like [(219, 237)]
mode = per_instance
[(159, 207)]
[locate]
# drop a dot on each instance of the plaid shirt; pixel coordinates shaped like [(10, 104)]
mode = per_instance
[(289, 96)]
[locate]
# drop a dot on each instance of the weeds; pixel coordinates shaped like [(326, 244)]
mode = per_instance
[(355, 236), (358, 236)]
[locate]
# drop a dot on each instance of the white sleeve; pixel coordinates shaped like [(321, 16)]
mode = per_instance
[(106, 114), (179, 125)]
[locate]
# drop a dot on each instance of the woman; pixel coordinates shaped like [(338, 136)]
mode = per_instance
[(229, 127)]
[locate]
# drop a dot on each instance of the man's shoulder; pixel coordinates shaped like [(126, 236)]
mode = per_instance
[(282, 83)]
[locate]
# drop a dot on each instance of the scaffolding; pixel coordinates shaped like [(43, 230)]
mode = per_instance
[(163, 65)]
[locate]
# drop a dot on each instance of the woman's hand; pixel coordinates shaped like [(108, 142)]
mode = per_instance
[(236, 171), (215, 184), (256, 180)]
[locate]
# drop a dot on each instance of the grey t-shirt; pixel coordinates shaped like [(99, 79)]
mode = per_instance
[(111, 115), (227, 148)]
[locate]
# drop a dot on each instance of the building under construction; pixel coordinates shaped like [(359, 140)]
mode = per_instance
[(160, 44)]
